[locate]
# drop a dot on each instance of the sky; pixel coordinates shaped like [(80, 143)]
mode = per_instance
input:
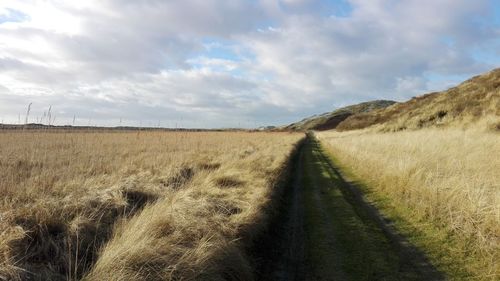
[(232, 63)]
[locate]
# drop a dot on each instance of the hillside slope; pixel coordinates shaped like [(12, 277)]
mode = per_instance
[(475, 100), (330, 120)]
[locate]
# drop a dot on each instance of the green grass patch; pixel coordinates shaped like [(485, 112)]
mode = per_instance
[(341, 239), (434, 241)]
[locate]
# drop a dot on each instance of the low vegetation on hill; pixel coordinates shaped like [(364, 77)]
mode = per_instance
[(330, 120), (472, 103), (136, 205)]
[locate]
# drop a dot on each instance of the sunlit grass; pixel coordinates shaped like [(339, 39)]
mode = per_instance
[(134, 205), (445, 183)]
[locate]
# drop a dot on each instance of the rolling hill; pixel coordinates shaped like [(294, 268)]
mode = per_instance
[(475, 101), (330, 120)]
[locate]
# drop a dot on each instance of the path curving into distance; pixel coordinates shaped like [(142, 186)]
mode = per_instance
[(327, 231)]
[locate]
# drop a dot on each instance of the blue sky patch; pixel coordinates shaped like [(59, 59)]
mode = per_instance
[(341, 8), (13, 16), (220, 49)]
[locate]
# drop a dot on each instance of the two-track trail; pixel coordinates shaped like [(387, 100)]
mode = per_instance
[(327, 231)]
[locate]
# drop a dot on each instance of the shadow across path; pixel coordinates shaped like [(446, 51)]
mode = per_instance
[(328, 231)]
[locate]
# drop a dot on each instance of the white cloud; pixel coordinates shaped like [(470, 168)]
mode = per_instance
[(374, 53), (266, 62)]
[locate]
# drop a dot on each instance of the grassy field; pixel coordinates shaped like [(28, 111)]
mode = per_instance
[(135, 205), (441, 187), (342, 241)]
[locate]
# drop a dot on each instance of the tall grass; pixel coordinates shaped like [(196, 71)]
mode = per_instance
[(134, 205), (444, 182)]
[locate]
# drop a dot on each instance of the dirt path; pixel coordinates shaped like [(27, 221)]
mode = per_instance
[(327, 231), (282, 253)]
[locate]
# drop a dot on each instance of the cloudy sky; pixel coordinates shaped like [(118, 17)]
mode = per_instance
[(215, 63)]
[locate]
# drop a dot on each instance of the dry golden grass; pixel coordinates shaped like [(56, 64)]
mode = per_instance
[(446, 183), (135, 205), (472, 103)]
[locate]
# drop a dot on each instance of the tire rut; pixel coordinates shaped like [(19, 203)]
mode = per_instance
[(329, 232)]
